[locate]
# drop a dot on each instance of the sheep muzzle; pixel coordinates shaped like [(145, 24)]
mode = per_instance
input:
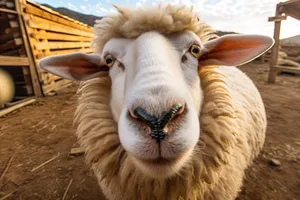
[(157, 124)]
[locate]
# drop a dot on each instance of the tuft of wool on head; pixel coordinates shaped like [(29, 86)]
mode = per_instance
[(132, 22)]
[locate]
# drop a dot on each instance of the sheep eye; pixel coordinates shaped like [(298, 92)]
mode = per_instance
[(109, 60), (195, 50)]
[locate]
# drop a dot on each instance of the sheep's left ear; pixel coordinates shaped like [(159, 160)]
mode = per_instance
[(235, 49), (75, 66)]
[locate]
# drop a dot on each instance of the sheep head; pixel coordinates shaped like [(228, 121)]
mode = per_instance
[(155, 93)]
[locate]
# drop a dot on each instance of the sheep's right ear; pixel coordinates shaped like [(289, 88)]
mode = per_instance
[(74, 66), (234, 49)]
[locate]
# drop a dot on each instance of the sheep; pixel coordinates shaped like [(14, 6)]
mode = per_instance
[(163, 112)]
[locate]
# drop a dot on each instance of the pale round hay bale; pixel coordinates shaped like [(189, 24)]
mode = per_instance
[(7, 87)]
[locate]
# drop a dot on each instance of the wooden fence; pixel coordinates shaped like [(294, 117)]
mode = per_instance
[(14, 53), (29, 32), (51, 33)]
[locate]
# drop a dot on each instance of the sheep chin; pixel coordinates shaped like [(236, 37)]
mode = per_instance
[(161, 169)]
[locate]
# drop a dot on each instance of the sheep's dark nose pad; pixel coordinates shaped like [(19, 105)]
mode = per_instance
[(157, 124)]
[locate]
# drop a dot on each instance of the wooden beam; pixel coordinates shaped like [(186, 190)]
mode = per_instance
[(41, 54), (8, 11), (277, 18), (31, 9), (288, 3), (9, 36), (58, 36), (33, 71), (295, 70), (275, 49), (15, 52), (292, 12), (60, 45), (40, 23), (15, 107), (11, 45), (13, 61), (88, 50)]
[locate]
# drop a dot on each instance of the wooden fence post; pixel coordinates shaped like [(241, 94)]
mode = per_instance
[(275, 49), (32, 65)]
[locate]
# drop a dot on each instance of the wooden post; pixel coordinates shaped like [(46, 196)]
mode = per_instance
[(262, 58), (32, 66), (274, 54), (275, 49)]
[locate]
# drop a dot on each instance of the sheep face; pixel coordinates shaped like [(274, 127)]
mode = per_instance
[(156, 98), (156, 93)]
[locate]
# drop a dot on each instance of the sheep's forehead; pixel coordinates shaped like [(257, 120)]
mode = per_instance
[(167, 19), (121, 47)]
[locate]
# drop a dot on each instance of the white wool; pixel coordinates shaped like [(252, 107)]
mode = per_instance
[(166, 19)]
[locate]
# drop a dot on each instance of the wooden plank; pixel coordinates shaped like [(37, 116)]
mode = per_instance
[(10, 45), (54, 12), (31, 9), (15, 52), (13, 24), (290, 11), (48, 78), (287, 3), (77, 151), (58, 36), (295, 70), (13, 61), (22, 99), (88, 50), (15, 107), (60, 45), (40, 54), (8, 11), (9, 36), (277, 18), (40, 23)]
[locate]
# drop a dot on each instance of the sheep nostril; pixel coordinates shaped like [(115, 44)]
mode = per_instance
[(181, 110), (143, 116), (174, 111), (132, 114)]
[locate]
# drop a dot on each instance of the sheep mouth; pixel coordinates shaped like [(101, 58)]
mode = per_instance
[(160, 161), (159, 168)]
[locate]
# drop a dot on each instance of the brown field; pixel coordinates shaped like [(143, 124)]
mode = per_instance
[(38, 132)]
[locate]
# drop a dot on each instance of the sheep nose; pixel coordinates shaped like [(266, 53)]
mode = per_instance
[(158, 124)]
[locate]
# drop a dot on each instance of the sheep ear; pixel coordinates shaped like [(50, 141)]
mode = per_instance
[(234, 49), (74, 66)]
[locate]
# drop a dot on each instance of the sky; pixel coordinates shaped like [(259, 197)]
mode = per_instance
[(242, 16)]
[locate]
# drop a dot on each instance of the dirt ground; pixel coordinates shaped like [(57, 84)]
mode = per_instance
[(43, 130)]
